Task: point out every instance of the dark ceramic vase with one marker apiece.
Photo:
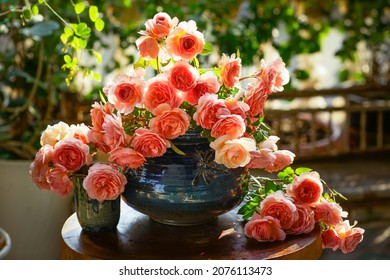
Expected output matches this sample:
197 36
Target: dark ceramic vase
185 189
94 215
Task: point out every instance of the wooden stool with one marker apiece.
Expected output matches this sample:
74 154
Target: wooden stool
138 237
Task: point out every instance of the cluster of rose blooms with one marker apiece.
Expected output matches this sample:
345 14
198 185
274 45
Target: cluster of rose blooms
142 116
298 209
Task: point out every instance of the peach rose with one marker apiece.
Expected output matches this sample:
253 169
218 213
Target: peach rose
269 143
237 107
261 159
330 239
115 135
97 138
206 83
104 182
169 123
149 143
98 113
329 213
305 222
59 180
185 42
127 157
264 229
231 125
256 99
127 92
306 188
183 76
233 153
72 154
350 236
148 47
280 207
209 110
161 91
160 25
54 133
39 168
230 70
283 158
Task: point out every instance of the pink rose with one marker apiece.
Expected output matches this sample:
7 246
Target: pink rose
350 237
72 154
305 222
255 97
160 25
148 47
104 182
270 143
209 110
236 107
306 188
183 76
127 92
233 153
280 207
127 157
272 77
115 135
96 137
39 168
185 41
161 91
264 229
283 158
149 143
231 125
330 239
169 123
206 83
329 213
260 159
80 132
59 180
230 70
98 113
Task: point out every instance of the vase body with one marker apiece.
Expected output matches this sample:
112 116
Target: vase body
94 215
185 189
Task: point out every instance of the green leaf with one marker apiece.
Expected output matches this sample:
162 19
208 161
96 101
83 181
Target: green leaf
207 49
102 98
41 1
79 8
301 170
141 63
67 58
343 75
35 10
177 150
93 13
98 56
153 63
270 186
99 24
68 31
97 77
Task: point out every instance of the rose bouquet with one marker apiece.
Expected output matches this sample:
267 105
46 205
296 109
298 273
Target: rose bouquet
139 116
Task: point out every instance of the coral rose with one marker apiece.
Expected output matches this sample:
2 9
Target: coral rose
283 158
206 83
209 110
272 77
160 25
161 91
80 132
306 188
330 239
264 229
255 97
104 182
261 159
59 180
96 137
72 154
305 222
231 125
185 42
115 135
237 107
98 113
233 153
350 237
39 168
230 70
149 143
280 207
127 157
183 76
148 47
169 123
329 213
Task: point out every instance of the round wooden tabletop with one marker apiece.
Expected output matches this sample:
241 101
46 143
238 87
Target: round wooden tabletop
138 237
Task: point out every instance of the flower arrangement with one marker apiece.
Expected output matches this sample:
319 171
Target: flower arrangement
138 117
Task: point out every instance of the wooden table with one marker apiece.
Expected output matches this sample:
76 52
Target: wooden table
139 237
